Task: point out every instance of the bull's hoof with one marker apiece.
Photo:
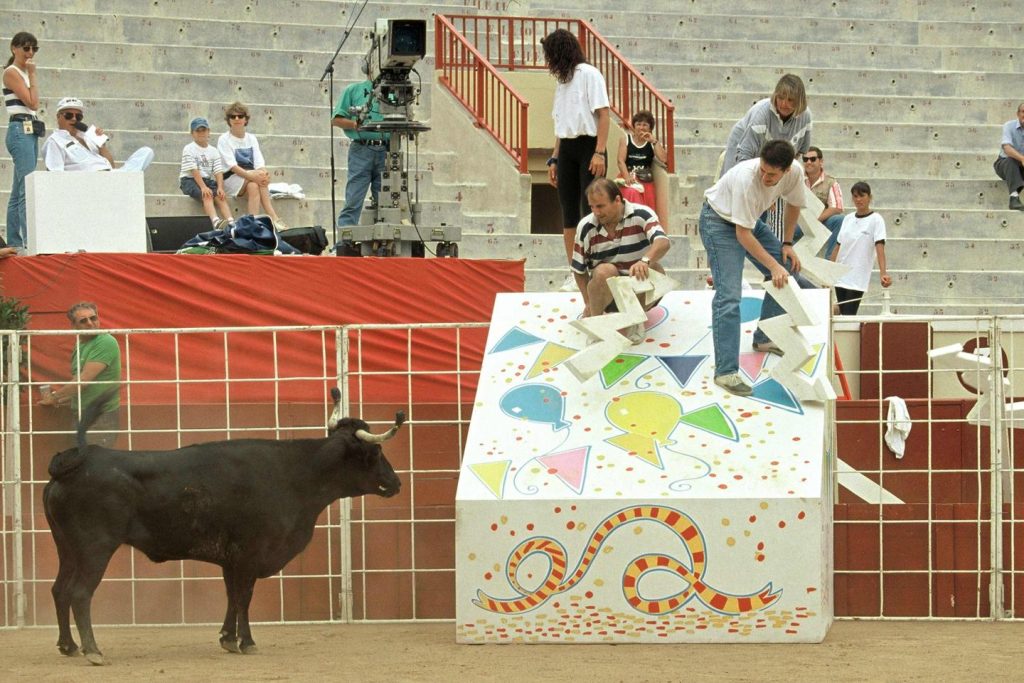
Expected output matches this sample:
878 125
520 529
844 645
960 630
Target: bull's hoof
249 648
68 650
230 644
95 658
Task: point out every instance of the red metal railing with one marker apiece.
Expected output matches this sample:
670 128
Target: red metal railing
514 43
474 82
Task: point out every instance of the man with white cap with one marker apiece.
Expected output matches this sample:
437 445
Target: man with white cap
75 146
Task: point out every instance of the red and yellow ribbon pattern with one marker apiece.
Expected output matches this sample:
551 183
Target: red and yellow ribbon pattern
559 580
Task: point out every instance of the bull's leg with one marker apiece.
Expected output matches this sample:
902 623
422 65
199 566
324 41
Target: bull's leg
83 584
243 587
62 601
229 631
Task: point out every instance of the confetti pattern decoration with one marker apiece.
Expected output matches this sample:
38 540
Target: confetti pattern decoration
558 580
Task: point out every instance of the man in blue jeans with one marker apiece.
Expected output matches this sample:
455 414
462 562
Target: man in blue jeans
731 230
367 152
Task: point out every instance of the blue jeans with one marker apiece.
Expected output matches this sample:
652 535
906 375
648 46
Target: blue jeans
24 150
725 256
833 223
365 166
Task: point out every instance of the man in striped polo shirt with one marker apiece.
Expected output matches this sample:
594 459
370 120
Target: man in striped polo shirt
616 238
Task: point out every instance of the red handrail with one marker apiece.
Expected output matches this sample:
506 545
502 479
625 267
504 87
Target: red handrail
514 43
493 102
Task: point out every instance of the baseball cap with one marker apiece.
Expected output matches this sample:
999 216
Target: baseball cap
70 103
198 122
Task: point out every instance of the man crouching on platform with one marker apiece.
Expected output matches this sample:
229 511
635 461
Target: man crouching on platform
616 238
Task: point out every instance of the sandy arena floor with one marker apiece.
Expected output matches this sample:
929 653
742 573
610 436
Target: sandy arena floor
854 651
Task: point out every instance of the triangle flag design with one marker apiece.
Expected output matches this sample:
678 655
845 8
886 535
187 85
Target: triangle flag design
551 355
492 475
621 365
712 419
643 447
752 363
569 466
774 394
682 367
515 338
811 365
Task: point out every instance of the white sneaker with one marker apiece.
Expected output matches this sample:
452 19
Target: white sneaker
768 347
569 284
734 384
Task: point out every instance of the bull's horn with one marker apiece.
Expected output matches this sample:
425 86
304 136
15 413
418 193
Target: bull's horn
381 438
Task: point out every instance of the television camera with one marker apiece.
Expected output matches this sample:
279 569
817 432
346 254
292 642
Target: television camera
393 226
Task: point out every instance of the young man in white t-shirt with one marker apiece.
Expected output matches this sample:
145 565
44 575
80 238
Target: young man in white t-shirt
860 239
732 231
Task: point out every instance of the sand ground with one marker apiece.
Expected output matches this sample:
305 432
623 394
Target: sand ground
853 651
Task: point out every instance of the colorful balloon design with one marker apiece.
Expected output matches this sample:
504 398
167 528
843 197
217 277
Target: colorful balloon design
536 403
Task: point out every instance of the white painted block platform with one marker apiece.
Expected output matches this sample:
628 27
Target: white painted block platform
95 211
646 504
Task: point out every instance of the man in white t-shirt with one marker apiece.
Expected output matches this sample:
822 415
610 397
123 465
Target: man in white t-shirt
861 238
732 231
75 146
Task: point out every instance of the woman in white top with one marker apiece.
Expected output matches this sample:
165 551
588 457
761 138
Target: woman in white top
21 98
247 173
581 129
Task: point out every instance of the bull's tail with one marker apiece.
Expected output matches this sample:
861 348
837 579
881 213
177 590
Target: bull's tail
69 460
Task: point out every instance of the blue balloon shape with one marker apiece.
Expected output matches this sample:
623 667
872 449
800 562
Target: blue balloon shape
536 403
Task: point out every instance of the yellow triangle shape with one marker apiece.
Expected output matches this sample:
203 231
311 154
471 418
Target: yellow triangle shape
492 475
643 446
808 367
551 355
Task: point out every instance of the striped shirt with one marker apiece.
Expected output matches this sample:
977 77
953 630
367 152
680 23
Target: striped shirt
206 159
629 241
11 101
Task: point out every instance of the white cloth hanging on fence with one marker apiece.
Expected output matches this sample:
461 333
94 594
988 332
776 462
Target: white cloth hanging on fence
897 425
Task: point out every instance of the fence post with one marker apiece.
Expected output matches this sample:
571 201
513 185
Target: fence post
997 441
341 344
12 452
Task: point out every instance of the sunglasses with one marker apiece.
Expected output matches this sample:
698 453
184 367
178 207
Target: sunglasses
806 159
68 116
237 116
87 319
30 48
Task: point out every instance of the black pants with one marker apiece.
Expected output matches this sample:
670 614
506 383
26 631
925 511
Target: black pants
574 157
1009 170
849 300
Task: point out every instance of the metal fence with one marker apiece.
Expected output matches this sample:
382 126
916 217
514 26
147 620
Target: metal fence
932 534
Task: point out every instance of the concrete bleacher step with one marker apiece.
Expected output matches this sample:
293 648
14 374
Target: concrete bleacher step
833 104
547 251
922 10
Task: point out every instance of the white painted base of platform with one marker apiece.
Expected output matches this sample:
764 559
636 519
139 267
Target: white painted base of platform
97 211
644 504
759 580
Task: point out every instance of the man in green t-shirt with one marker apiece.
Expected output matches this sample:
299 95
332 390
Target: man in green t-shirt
367 152
96 365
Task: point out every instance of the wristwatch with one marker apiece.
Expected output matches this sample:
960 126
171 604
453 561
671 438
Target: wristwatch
646 260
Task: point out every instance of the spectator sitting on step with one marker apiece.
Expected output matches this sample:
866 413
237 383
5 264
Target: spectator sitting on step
861 238
637 151
202 174
75 146
246 172
827 189
1010 164
618 237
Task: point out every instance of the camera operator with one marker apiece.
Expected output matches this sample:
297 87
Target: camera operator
367 151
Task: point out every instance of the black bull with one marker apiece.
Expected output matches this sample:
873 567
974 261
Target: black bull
248 506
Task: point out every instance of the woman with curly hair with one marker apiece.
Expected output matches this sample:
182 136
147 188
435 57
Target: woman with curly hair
581 119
